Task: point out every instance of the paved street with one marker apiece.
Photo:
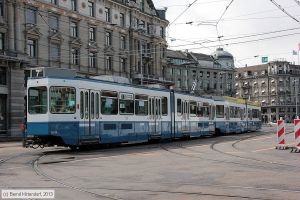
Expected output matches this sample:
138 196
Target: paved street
231 167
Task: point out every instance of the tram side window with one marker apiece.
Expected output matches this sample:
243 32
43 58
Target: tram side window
109 103
179 106
97 105
220 111
158 107
231 111
141 104
37 100
164 104
236 112
92 105
212 112
193 108
199 113
126 104
241 113
81 105
205 110
250 114
255 113
62 100
227 117
86 105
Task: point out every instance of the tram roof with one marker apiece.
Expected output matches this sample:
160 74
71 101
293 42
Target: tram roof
54 73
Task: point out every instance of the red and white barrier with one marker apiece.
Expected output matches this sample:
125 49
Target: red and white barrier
280 134
297 134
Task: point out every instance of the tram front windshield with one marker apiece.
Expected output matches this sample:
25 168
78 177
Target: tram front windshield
37 100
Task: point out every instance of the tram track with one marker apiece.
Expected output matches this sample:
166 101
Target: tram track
35 166
166 147
213 148
3 161
203 158
233 145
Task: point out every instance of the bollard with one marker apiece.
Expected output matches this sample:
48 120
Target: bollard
281 135
296 148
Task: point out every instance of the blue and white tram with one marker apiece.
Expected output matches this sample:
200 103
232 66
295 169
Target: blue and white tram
76 111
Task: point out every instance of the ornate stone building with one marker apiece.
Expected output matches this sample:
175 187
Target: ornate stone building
274 85
95 37
213 74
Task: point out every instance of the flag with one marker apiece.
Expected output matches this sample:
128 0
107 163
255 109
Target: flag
295 52
264 59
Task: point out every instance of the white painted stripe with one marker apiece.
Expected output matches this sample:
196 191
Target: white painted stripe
261 138
279 127
259 150
298 141
87 125
297 127
281 138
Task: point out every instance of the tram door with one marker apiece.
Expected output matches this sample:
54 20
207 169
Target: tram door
212 118
155 117
89 113
185 117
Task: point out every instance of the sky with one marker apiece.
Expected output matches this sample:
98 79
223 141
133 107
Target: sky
248 29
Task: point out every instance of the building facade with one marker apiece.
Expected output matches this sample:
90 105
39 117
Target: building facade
211 75
275 85
94 37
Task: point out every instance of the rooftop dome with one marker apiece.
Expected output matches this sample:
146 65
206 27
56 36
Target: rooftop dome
220 53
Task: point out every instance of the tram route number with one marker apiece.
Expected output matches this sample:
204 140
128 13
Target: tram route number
27 194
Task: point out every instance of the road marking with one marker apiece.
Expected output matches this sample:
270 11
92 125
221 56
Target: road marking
270 148
198 146
13 168
263 149
234 152
192 153
260 138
